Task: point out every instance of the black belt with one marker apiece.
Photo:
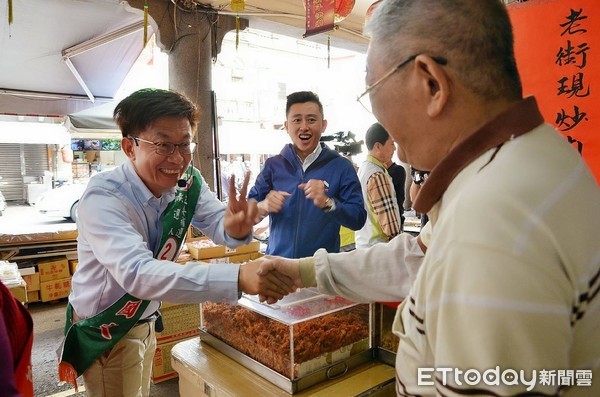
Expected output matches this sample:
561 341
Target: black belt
148 319
155 317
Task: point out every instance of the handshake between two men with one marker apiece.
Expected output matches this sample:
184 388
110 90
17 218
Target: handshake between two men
271 278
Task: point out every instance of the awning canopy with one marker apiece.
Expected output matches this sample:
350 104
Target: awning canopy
24 132
93 123
61 56
56 54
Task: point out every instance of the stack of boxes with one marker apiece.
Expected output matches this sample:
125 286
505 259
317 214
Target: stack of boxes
55 279
32 279
220 254
51 281
182 321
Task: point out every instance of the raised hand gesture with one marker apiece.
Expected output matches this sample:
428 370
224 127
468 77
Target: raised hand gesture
240 213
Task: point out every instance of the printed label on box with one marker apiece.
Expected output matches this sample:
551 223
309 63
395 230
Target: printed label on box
55 289
54 270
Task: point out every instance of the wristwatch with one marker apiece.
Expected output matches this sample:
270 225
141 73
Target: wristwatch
328 204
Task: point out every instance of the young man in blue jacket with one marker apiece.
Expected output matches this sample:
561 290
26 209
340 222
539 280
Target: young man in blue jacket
308 190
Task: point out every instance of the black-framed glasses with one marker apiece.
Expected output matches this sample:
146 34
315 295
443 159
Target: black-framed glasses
362 98
167 148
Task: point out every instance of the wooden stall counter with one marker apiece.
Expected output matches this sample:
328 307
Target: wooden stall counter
205 372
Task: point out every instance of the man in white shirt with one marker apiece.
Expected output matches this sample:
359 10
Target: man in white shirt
132 222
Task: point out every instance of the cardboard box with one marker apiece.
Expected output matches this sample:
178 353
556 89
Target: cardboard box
73 265
55 289
199 248
32 281
180 321
33 296
54 269
236 258
19 292
162 369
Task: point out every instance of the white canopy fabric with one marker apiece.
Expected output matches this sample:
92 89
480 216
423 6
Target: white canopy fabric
93 123
24 132
32 61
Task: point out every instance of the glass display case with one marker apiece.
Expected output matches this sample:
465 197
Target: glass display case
304 339
385 340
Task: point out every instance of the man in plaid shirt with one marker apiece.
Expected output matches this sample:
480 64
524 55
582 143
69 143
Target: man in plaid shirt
383 214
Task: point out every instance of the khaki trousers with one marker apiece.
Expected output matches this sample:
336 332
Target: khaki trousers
124 371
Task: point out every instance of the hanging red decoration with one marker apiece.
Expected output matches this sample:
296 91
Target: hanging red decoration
343 8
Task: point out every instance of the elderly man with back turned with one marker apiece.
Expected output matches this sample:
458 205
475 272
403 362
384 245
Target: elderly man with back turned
508 287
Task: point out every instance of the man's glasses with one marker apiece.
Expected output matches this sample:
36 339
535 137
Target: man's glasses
167 148
365 101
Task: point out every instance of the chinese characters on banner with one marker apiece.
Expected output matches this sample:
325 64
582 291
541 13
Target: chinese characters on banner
319 16
557 43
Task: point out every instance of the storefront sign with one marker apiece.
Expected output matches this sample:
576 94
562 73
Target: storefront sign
557 44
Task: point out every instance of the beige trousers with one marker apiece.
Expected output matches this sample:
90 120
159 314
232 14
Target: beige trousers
124 371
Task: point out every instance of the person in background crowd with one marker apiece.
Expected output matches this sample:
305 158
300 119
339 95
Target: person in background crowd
16 342
508 287
308 190
132 223
383 215
398 174
418 178
225 178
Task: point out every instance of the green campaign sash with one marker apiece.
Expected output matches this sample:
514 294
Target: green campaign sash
87 339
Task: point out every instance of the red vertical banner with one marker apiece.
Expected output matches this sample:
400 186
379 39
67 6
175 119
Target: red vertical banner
319 16
557 47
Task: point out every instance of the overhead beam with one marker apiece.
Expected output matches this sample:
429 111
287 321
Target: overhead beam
103 39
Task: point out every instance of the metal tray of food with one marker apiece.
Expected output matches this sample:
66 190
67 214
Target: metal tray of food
333 371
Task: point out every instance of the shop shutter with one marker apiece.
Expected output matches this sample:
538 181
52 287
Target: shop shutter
17 160
36 159
11 183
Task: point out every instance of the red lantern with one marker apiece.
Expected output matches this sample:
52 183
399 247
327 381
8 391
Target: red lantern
343 8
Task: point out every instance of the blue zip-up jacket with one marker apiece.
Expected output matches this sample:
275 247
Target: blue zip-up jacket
301 228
